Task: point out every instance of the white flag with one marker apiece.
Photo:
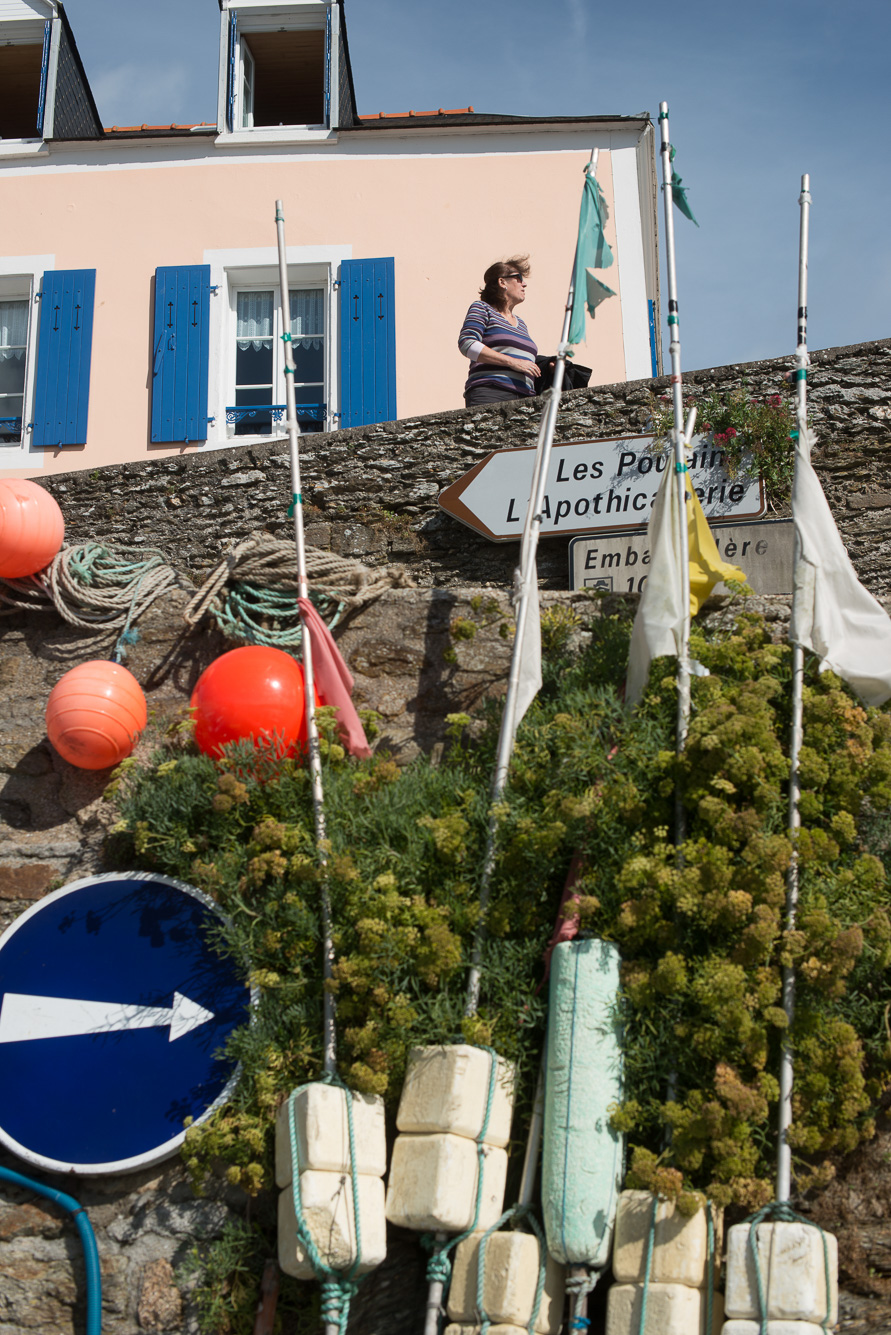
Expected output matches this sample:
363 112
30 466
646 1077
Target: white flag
832 613
659 623
529 650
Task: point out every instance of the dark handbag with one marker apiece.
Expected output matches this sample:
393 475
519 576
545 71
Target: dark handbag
574 376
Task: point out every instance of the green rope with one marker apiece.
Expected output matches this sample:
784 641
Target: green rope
648 1265
710 1244
779 1212
268 615
338 1288
439 1266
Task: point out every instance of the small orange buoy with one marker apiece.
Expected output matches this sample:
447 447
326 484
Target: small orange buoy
31 528
251 693
95 714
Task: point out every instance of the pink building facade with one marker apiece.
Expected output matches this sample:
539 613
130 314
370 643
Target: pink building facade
139 288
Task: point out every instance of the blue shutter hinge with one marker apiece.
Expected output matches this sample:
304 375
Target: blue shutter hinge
37 296
214 288
336 284
210 421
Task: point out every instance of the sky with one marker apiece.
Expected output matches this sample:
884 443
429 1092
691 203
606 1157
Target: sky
759 92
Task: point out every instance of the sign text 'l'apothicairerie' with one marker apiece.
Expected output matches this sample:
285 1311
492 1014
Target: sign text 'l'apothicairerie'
593 486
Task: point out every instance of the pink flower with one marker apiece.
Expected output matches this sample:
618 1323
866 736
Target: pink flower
776 400
706 426
730 433
719 438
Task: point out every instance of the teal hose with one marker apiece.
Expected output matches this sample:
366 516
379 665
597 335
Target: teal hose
87 1237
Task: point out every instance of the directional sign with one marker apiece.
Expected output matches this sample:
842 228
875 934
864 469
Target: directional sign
593 486
620 562
114 1008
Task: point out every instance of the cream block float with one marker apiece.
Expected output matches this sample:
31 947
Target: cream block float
680 1270
793 1277
511 1265
680 1243
434 1171
321 1127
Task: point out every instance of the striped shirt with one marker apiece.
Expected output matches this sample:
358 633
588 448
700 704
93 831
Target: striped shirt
484 327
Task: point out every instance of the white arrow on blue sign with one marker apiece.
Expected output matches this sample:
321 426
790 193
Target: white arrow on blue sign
114 1008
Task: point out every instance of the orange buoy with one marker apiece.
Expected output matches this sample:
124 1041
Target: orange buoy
95 714
255 693
31 528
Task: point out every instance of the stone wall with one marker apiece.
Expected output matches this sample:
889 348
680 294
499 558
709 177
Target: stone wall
372 491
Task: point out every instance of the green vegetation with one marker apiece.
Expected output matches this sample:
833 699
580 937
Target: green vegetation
700 928
750 432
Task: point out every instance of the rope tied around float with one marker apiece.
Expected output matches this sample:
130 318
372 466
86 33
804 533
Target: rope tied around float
339 1287
439 1265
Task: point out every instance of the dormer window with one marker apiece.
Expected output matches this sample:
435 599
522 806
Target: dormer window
44 93
23 58
280 67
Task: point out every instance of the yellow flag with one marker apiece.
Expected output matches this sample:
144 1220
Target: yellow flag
706 567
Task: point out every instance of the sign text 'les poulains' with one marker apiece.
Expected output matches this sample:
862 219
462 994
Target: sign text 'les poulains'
594 486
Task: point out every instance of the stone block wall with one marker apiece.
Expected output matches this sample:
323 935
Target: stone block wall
372 491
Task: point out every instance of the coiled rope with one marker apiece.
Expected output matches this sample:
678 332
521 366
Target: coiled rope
254 586
338 1287
250 595
100 590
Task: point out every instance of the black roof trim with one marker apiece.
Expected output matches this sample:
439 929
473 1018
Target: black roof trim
349 67
386 122
80 68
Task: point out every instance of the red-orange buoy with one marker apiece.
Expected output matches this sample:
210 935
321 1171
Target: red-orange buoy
95 714
250 693
31 528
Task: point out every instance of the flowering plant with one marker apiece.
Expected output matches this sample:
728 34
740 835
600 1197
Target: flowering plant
749 431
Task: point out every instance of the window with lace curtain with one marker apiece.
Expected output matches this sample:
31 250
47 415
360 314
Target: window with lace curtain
13 349
259 361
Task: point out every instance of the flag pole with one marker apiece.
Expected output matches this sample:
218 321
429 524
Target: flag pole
680 461
315 760
784 1153
523 575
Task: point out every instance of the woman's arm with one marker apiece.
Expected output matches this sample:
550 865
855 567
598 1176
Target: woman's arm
513 363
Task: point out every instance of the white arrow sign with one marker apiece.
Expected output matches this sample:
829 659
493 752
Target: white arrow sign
23 1017
593 486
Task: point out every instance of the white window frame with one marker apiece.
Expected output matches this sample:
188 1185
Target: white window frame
249 270
253 17
20 277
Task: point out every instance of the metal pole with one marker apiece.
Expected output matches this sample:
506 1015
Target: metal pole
524 573
680 462
533 1141
784 1153
312 732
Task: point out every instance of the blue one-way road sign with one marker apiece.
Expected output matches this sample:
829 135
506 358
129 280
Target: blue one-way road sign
113 1010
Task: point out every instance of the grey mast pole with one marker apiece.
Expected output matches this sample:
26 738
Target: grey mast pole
312 732
522 576
784 1153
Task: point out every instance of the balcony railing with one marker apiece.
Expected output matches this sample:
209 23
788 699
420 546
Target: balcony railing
264 414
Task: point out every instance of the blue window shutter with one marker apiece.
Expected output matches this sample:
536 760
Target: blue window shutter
44 72
367 342
230 81
651 315
180 352
64 348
